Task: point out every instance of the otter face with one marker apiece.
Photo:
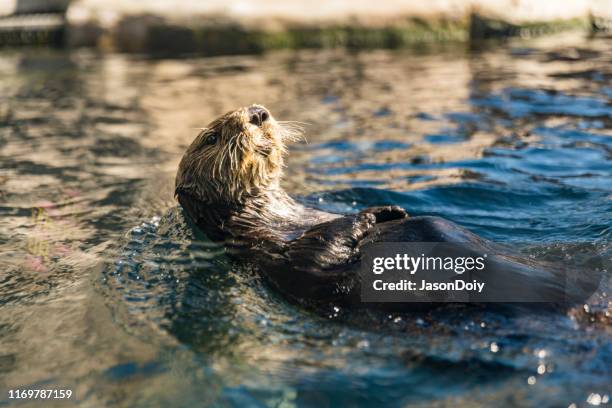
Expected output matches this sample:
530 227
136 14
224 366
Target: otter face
238 155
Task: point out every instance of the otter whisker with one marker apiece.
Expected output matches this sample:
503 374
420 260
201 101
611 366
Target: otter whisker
233 157
218 164
230 151
229 154
293 122
233 151
292 131
292 125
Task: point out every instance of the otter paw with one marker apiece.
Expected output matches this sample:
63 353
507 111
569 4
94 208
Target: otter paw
386 213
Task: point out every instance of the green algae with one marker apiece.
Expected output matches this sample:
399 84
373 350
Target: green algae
233 39
164 39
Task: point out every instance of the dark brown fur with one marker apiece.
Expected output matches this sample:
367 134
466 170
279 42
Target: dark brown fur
231 190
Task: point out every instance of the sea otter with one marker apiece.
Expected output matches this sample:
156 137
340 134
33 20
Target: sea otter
228 183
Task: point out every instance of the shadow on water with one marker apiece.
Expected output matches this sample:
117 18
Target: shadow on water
107 289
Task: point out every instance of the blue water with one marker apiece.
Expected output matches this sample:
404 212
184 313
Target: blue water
106 290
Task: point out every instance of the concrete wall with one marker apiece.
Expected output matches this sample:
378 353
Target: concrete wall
109 12
8 7
243 26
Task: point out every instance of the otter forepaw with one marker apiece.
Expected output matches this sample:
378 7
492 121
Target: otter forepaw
386 213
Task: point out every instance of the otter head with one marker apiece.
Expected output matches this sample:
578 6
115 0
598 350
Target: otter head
239 155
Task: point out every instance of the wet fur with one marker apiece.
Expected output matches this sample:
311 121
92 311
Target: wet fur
231 190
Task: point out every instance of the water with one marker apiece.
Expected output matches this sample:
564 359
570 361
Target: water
105 290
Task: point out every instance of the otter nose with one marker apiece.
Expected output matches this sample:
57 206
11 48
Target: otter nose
258 115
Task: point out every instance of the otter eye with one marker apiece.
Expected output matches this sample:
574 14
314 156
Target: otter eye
211 139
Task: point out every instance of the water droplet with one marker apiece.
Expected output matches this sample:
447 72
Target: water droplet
594 399
494 347
531 380
541 369
363 344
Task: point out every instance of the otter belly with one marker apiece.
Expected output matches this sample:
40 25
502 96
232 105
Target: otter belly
340 282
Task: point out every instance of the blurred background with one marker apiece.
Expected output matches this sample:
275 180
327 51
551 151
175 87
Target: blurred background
495 114
243 26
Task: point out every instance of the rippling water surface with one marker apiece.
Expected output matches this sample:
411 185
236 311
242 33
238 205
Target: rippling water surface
106 290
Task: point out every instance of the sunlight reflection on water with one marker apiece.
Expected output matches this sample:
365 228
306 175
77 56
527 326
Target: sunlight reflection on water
103 296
